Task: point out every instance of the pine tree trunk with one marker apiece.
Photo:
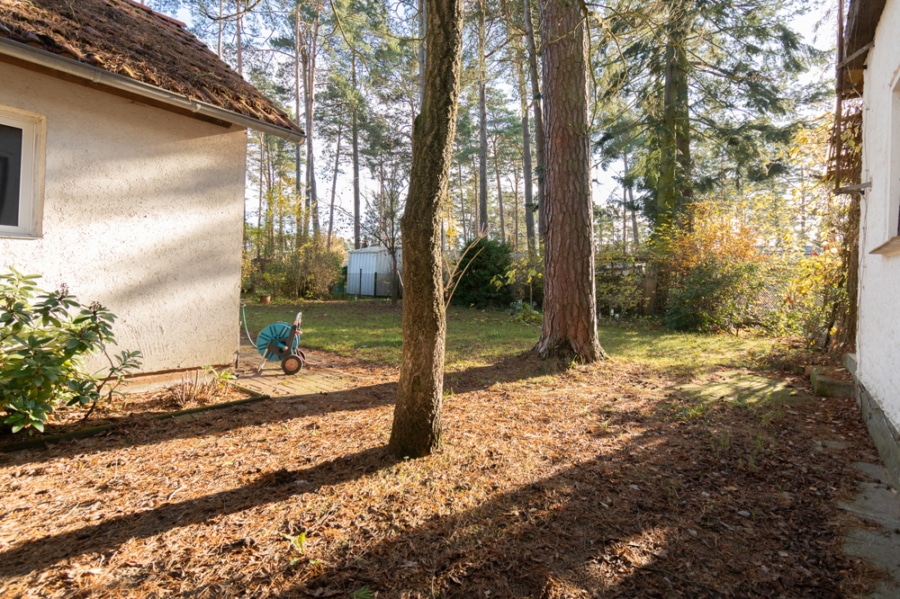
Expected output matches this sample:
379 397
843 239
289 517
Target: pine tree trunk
675 189
482 127
515 211
538 119
526 165
337 163
310 173
634 225
462 202
570 318
221 23
237 39
259 213
421 50
416 429
499 192
312 200
354 137
298 93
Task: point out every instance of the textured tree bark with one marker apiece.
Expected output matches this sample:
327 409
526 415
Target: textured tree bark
416 429
570 318
675 189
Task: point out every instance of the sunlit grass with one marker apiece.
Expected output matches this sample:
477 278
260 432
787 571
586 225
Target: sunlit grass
370 330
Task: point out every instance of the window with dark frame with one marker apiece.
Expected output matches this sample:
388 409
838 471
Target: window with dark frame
10 174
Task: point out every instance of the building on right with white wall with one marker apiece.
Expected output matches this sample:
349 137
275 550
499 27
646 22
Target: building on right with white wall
869 68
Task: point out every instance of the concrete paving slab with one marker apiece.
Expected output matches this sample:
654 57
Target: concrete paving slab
877 503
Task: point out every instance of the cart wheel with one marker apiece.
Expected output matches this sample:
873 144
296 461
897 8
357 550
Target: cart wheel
292 364
277 332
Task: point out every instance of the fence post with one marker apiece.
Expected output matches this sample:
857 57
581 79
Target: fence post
375 284
359 287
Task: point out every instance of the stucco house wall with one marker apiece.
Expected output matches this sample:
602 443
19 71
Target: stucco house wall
142 210
878 337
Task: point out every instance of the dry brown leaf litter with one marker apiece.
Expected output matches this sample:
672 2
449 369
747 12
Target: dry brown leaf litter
596 482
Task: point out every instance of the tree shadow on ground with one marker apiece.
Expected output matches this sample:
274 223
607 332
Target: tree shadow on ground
671 503
130 432
270 487
685 509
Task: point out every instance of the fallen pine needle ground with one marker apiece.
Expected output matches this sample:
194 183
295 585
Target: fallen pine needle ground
597 481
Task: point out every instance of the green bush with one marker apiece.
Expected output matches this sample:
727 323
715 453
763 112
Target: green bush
482 273
43 340
308 272
620 284
525 278
715 294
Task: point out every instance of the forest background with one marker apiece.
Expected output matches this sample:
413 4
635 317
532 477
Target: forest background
710 126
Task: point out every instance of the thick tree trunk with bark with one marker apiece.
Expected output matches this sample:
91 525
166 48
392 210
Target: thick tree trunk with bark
675 188
570 318
416 429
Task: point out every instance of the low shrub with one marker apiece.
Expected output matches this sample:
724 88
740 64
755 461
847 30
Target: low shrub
482 275
43 340
715 294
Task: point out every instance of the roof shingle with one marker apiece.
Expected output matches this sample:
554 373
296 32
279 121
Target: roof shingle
128 39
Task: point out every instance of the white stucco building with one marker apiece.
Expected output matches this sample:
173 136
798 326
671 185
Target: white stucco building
122 168
871 68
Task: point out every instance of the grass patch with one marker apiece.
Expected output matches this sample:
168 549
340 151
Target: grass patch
370 330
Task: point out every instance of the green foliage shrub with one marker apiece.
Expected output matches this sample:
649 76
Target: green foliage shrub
525 278
525 313
715 294
43 340
482 275
308 272
815 299
620 283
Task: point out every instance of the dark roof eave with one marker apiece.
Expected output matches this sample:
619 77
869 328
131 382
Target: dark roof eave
862 21
178 102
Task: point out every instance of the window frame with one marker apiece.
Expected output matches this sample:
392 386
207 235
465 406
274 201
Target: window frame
31 182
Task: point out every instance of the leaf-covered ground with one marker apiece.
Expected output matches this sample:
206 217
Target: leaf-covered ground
613 480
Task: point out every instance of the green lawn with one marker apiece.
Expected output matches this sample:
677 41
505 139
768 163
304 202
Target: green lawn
370 330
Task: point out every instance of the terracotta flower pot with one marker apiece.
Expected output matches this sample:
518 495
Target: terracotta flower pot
265 299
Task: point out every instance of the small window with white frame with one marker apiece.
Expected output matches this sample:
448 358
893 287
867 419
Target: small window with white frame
21 172
888 209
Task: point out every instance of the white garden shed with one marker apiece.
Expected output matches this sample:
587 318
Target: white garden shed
369 271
